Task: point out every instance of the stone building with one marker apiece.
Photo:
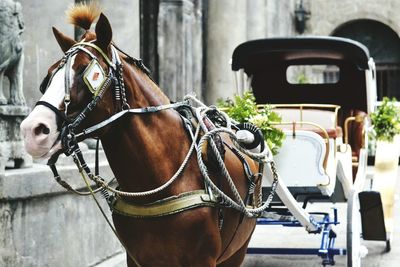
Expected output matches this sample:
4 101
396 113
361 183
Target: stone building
226 23
187 44
376 24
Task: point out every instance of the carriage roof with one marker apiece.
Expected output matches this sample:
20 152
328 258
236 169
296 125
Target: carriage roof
267 60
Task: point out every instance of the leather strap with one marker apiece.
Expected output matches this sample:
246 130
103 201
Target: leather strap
150 109
163 207
54 109
105 56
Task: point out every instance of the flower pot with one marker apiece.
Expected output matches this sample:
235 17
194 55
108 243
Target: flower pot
385 176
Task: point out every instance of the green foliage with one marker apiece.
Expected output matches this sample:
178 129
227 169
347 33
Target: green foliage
386 120
241 108
244 109
302 79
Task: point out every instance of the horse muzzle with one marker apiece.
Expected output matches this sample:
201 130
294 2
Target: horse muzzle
39 140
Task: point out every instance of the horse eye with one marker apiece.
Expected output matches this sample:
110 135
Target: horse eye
44 84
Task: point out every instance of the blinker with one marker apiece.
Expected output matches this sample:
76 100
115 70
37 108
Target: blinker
93 76
44 84
47 80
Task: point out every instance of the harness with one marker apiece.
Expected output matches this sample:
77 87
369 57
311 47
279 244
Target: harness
69 136
211 196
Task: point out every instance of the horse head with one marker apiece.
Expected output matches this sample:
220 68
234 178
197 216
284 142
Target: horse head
72 83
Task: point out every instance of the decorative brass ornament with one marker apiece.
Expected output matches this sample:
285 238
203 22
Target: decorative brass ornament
94 76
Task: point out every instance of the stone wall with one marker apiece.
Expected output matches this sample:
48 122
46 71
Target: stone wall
42 50
196 38
231 22
180 44
182 40
327 16
43 225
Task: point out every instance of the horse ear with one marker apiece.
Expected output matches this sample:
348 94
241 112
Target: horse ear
64 41
103 32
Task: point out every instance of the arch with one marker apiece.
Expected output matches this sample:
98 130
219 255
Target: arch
382 41
346 18
384 46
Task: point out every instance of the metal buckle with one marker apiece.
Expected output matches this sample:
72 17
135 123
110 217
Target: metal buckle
68 140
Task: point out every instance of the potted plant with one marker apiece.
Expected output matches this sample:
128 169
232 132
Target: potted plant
386 130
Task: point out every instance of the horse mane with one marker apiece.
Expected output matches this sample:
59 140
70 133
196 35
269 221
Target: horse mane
83 14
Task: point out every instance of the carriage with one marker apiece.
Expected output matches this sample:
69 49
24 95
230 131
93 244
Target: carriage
323 88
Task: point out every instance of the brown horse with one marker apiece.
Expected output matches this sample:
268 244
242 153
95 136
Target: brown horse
143 150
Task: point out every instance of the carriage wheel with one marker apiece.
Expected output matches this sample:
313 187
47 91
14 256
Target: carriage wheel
354 249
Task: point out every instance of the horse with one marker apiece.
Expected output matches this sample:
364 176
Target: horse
144 150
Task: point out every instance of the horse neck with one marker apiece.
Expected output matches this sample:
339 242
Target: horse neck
145 150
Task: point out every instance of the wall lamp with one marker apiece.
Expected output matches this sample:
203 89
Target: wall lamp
301 15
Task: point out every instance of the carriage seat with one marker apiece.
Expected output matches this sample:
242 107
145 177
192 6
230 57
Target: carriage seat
307 159
333 133
323 119
304 164
354 134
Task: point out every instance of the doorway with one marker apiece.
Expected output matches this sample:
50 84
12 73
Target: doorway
383 44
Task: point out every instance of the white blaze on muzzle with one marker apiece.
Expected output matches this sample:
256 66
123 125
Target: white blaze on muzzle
40 129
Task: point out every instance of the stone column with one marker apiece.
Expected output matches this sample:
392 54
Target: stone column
124 17
256 19
226 28
279 18
180 47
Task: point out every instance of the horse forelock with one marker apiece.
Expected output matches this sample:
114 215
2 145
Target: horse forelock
89 36
83 15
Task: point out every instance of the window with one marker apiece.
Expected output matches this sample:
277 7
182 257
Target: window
312 74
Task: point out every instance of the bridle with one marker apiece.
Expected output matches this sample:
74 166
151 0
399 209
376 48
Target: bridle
68 126
69 136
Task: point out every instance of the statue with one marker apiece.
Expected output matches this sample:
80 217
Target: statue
11 51
13 108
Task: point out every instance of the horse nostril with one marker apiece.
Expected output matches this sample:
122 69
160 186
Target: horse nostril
41 129
46 130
